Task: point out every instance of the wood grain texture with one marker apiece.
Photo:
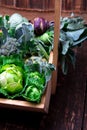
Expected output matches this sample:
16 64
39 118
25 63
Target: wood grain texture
56 41
66 107
85 73
85 112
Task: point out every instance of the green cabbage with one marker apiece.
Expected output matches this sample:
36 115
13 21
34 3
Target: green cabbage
33 94
36 79
11 79
34 88
16 19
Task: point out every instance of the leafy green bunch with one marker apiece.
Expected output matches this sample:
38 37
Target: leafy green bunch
24 67
73 32
24 79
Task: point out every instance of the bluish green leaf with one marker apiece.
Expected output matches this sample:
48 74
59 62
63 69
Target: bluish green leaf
75 35
76 43
65 47
64 65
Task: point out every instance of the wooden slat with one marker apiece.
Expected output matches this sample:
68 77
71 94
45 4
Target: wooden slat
21 4
36 4
29 13
85 114
84 126
56 40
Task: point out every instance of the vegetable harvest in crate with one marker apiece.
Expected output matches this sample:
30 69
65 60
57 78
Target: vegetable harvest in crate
25 48
24 57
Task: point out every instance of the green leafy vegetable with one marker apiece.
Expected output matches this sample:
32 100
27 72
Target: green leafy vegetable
35 86
11 78
33 94
36 79
25 32
24 67
15 19
36 63
25 49
73 32
10 47
75 35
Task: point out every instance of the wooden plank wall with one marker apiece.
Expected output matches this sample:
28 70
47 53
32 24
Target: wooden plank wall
79 7
39 4
67 5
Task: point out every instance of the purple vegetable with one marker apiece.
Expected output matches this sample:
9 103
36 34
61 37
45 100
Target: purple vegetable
40 25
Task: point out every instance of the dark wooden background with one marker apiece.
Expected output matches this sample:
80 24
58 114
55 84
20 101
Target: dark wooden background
68 107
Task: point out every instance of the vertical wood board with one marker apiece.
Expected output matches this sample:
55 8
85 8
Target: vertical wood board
56 41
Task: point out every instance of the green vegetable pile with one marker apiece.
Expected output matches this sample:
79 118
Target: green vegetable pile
25 48
73 32
24 67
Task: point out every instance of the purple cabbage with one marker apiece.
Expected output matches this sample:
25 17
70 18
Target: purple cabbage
40 25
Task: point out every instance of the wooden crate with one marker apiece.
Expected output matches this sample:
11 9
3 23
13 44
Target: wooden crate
51 87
